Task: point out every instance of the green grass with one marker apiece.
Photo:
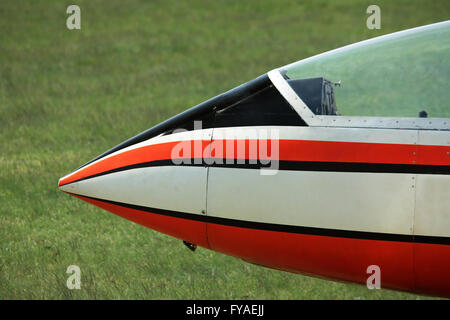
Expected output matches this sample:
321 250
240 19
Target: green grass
66 96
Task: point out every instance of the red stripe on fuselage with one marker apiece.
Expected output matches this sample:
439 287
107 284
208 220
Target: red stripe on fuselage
414 267
289 150
434 155
432 269
330 257
161 151
320 151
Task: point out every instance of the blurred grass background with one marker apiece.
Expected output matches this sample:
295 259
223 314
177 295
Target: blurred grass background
67 96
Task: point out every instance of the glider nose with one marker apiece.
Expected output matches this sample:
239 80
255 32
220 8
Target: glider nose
66 187
142 184
69 183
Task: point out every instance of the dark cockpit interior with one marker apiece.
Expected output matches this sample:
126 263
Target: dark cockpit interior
317 94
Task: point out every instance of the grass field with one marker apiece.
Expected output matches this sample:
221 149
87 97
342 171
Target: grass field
67 96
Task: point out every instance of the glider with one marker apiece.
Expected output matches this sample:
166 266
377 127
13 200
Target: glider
324 167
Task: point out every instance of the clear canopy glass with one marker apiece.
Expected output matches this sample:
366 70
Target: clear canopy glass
397 75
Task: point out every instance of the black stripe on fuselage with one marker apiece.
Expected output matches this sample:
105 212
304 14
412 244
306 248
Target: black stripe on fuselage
284 228
358 167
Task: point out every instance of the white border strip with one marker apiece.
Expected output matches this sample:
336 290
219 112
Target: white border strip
289 94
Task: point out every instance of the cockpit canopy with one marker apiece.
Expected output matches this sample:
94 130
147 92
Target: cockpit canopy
400 75
405 74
